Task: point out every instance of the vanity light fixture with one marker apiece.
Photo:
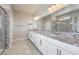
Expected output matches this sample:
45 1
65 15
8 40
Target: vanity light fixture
36 18
59 5
51 8
55 7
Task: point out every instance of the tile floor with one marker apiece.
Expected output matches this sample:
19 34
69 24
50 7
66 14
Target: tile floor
22 47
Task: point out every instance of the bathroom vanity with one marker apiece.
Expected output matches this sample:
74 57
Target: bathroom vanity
59 33
51 45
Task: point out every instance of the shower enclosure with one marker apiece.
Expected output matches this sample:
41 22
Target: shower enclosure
3 30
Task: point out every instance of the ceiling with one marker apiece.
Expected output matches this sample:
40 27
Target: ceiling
30 9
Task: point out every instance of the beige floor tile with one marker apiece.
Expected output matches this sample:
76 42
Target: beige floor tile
22 47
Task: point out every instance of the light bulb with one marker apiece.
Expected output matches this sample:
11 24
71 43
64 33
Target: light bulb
53 6
60 5
50 10
36 18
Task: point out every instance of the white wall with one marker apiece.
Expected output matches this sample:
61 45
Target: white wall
20 25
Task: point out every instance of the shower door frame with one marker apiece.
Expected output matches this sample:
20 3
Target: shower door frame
4 29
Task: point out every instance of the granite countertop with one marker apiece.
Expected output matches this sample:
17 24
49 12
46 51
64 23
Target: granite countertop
63 37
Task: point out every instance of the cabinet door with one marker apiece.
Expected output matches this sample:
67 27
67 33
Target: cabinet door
37 40
64 52
52 49
43 44
31 36
33 39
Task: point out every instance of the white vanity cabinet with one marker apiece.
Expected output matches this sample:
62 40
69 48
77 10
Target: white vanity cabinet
43 44
31 37
49 46
36 40
55 50
52 50
29 34
39 41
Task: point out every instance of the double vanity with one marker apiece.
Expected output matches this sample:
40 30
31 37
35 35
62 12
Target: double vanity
56 43
58 32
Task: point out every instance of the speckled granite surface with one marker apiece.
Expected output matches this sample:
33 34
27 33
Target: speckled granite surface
63 36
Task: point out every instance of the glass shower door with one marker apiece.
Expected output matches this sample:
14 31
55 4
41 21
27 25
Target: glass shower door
2 30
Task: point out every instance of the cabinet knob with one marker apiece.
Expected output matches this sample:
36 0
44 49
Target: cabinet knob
60 52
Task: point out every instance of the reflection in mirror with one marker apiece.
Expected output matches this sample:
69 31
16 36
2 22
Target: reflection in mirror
64 24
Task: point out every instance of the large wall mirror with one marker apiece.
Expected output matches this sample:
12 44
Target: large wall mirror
65 24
